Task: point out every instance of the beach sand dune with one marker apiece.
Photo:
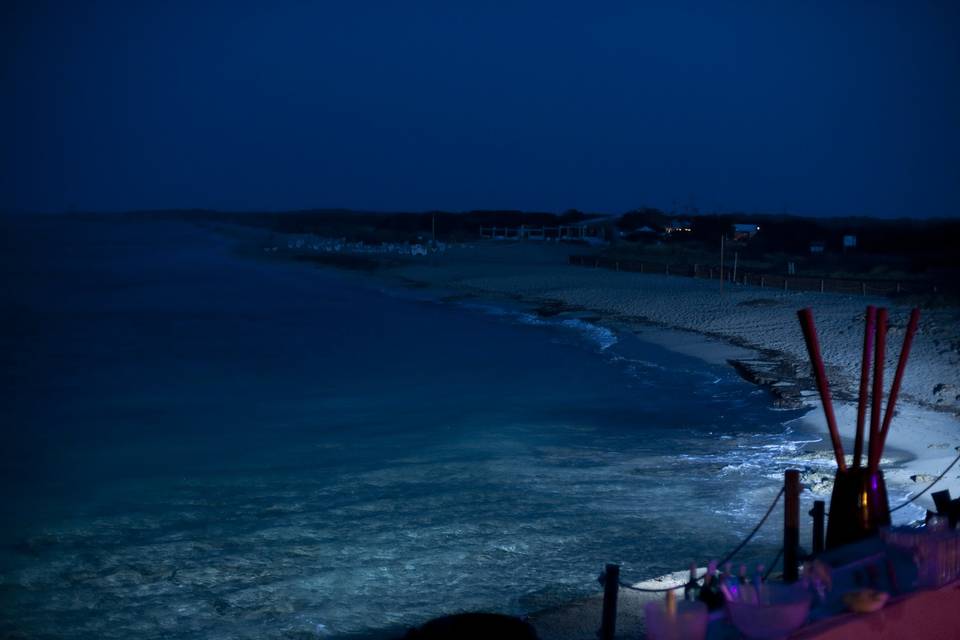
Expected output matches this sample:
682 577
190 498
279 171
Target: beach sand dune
748 316
755 327
756 330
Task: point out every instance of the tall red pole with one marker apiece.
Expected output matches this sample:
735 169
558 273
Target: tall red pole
820 374
864 384
873 459
897 378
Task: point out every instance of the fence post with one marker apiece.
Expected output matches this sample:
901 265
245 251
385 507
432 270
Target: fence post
791 523
821 285
611 583
762 278
818 514
721 264
863 288
784 283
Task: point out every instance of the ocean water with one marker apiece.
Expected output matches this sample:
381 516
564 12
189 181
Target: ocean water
202 445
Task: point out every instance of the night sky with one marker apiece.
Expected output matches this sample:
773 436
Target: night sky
819 108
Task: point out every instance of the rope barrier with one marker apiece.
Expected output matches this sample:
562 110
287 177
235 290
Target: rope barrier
725 559
755 529
790 553
929 486
773 563
627 585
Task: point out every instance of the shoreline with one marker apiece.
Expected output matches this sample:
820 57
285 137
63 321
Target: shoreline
924 437
925 434
753 330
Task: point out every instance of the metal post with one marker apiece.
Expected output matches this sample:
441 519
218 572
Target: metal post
611 583
819 514
721 264
941 499
791 524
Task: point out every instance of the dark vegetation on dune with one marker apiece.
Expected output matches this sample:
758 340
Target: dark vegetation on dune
902 244
901 250
921 255
378 227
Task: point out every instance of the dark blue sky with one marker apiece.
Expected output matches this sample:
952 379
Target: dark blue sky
823 108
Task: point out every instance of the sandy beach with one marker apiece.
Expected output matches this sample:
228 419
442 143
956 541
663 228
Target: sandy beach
753 329
756 328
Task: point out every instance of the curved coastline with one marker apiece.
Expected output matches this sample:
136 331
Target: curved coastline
753 330
921 442
690 317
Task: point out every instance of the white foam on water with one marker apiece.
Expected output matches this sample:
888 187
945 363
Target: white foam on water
487 514
601 336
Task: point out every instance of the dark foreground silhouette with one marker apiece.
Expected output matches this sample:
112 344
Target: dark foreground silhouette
470 626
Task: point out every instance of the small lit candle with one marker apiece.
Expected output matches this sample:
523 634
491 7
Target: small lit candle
671 604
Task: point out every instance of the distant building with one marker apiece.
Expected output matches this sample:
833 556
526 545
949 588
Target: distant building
743 232
679 226
817 247
849 242
646 232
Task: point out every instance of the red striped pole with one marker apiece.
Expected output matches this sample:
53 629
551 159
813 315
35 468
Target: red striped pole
873 459
897 378
864 384
820 374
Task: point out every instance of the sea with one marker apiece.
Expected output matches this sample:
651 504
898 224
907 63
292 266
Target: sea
201 444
